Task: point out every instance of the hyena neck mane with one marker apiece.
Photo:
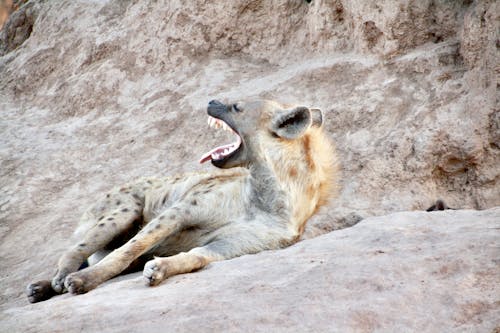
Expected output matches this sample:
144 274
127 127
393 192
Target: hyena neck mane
295 182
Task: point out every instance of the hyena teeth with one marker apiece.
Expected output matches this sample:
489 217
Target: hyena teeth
212 122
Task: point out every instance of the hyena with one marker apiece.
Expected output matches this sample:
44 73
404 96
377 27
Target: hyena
278 172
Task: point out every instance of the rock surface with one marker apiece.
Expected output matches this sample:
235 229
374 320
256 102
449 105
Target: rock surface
95 93
404 272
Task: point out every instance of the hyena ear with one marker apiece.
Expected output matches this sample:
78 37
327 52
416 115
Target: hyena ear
291 124
317 117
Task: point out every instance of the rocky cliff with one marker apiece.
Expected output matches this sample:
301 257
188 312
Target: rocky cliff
95 93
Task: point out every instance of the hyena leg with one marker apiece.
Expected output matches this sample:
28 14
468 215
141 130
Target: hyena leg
118 260
158 269
96 238
231 246
104 228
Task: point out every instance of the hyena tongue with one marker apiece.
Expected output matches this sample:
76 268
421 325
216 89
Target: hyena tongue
205 158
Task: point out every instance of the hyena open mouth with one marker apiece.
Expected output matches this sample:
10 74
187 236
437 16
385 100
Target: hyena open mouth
222 154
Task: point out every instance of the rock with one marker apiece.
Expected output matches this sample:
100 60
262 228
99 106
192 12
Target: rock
96 93
404 272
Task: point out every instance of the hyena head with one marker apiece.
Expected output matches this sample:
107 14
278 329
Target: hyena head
264 130
288 140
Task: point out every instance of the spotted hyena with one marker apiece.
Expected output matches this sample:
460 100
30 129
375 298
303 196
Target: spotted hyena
278 172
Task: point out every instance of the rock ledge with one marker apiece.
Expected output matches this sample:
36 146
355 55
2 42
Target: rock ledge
410 271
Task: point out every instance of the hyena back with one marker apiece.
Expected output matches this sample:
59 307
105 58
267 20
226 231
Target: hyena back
277 173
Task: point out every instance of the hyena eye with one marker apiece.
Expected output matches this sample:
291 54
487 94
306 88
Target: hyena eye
274 135
235 108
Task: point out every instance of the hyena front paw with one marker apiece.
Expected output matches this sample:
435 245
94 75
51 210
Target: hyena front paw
58 282
153 272
77 283
40 291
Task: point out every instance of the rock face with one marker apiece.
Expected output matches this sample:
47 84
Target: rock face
95 93
405 272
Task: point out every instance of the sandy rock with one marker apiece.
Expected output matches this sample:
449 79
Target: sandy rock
96 93
405 272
